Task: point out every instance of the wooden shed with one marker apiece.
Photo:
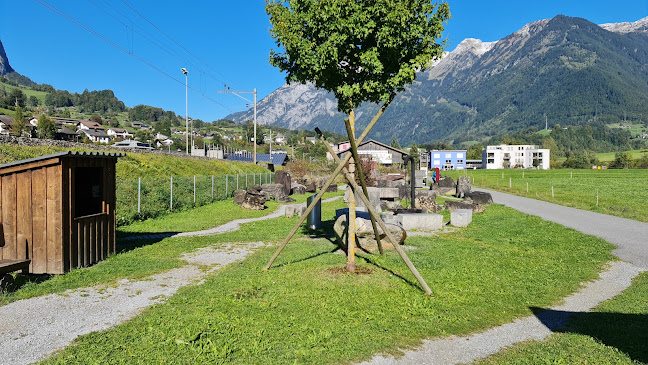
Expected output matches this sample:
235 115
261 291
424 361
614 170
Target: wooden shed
58 210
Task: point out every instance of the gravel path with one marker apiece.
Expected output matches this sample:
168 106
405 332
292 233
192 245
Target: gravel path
632 246
33 329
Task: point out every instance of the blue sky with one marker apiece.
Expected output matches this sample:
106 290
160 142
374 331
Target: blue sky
218 42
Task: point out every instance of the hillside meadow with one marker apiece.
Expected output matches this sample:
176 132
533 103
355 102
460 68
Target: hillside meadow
622 193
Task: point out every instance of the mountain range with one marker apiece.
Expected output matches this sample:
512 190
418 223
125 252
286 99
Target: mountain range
564 70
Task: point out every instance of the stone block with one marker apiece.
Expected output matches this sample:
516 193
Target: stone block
452 206
415 221
374 198
463 186
283 178
388 193
292 210
480 197
461 217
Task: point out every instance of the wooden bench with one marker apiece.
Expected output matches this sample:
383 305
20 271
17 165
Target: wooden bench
7 266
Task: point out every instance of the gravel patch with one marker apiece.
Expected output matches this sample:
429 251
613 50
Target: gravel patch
33 329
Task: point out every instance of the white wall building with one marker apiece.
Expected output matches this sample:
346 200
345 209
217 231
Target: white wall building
515 156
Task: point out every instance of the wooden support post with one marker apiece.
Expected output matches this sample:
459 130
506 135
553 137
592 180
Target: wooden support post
328 183
375 217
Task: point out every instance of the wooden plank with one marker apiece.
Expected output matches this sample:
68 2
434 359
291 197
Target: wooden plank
24 216
29 166
39 222
91 240
54 228
110 188
7 266
2 239
86 244
66 241
9 216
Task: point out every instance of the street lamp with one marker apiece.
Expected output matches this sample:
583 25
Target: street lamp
185 72
255 113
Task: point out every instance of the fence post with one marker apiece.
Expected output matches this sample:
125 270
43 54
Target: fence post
523 174
194 189
510 182
237 184
171 207
212 187
571 174
552 191
139 194
597 197
527 186
226 182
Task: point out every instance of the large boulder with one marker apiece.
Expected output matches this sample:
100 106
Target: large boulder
446 185
428 202
311 187
463 186
239 196
480 197
254 200
366 238
454 205
283 178
297 189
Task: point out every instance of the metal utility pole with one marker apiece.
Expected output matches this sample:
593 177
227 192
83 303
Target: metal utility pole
255 113
185 72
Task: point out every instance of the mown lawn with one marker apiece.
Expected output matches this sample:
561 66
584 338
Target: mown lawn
622 193
305 310
615 332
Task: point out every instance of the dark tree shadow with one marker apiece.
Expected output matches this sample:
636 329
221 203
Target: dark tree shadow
129 241
626 332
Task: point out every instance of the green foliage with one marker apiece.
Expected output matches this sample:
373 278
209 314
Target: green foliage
361 51
580 160
475 152
19 122
622 160
103 101
46 128
394 143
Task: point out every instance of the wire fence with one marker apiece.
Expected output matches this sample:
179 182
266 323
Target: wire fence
143 198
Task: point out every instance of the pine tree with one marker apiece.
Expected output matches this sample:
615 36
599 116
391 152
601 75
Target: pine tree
19 122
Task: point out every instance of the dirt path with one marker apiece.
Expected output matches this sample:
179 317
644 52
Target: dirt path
33 329
632 246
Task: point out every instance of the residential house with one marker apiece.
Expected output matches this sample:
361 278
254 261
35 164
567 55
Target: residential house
448 159
120 133
515 156
64 133
97 136
6 123
90 125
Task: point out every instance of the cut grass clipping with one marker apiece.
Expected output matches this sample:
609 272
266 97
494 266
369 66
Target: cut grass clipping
304 310
615 332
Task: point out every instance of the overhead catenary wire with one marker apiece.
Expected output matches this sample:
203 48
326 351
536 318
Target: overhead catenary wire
177 43
114 44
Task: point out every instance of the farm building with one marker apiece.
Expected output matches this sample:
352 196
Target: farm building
58 211
378 152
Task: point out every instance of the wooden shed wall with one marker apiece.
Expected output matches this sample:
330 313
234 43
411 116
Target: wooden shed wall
32 217
38 219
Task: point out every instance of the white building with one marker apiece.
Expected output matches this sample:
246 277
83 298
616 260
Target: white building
515 156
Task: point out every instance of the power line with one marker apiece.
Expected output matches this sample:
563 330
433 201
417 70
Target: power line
174 41
107 40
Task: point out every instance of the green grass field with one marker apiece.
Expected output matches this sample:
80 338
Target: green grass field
621 193
609 156
304 310
40 95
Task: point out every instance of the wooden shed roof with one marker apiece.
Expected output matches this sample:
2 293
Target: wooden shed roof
74 154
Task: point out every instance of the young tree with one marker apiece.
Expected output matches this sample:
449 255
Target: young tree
46 128
359 50
394 143
19 122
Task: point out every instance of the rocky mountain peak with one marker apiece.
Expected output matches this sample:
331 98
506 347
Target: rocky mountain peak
5 68
640 26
